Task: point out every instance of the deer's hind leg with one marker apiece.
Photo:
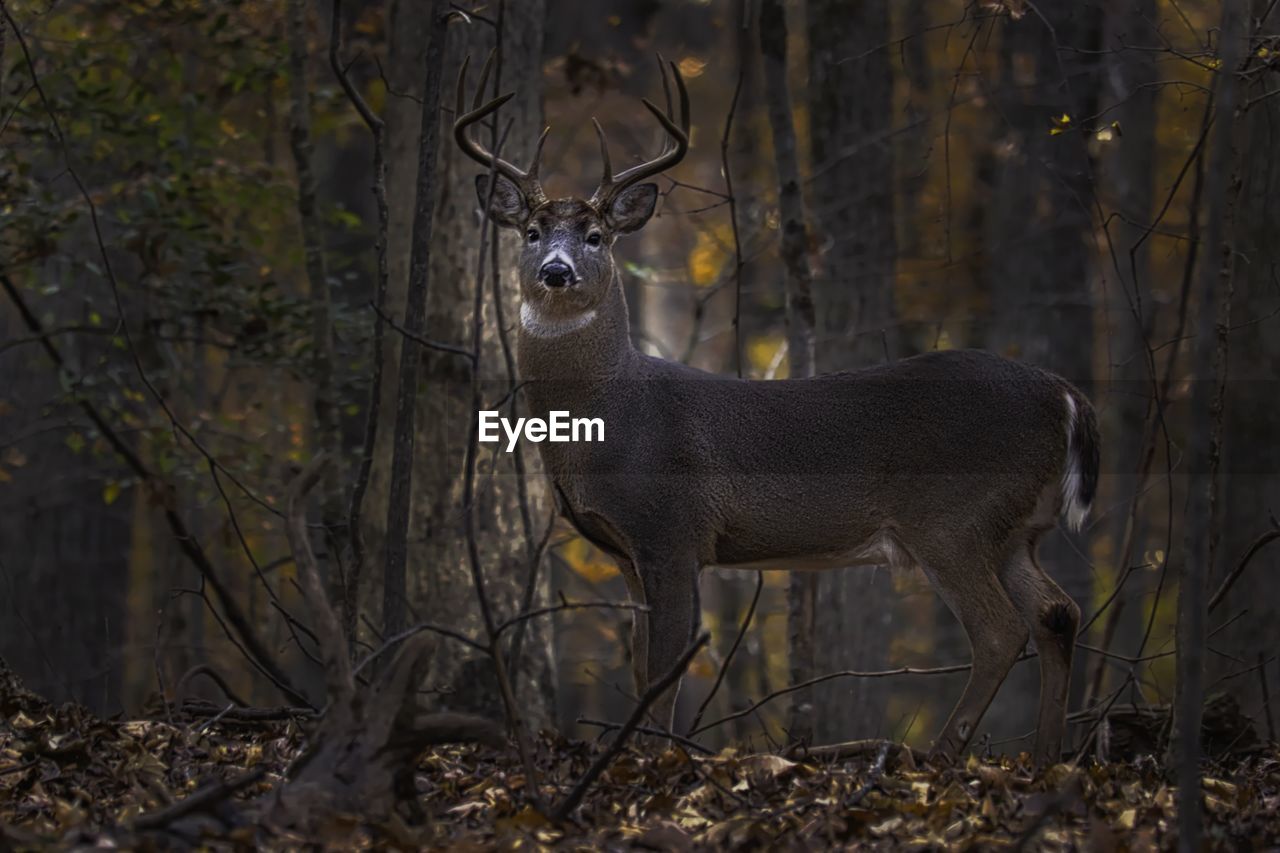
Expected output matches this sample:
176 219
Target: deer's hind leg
996 637
1052 618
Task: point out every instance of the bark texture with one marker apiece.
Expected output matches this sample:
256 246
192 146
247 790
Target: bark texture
438 585
850 119
802 591
1251 461
1039 248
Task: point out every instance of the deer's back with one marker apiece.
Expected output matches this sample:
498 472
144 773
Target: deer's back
754 466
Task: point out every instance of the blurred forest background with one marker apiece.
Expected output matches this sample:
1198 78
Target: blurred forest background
190 258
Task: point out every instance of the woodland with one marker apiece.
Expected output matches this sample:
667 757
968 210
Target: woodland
260 586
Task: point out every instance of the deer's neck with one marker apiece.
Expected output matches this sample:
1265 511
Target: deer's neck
584 351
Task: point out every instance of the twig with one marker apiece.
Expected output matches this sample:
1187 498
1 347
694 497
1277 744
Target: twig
568 605
783 691
535 559
857 749
1230 580
200 800
562 812
724 667
396 639
355 577
650 730
18 768
733 222
247 715
439 346
214 676
1266 698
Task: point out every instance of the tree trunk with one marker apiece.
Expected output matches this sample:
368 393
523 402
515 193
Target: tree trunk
1128 163
1208 367
800 319
850 119
1038 250
511 509
395 585
323 400
1251 493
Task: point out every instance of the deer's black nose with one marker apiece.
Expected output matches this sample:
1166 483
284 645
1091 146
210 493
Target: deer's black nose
556 274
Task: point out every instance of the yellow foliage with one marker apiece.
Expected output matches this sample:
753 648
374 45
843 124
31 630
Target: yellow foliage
761 351
692 66
588 561
710 254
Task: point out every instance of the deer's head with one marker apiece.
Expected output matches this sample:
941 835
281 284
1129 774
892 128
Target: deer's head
566 262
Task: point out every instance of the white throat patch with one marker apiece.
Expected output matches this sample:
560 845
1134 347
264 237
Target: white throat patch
539 326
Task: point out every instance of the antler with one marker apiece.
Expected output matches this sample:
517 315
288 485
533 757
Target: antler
526 180
611 185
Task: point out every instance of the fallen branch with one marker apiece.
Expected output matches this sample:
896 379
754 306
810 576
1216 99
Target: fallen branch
859 749
574 798
201 800
364 751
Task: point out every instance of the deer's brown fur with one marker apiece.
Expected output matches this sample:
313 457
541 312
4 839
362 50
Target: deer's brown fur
955 461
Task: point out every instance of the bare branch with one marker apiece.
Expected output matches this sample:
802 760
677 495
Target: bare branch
602 762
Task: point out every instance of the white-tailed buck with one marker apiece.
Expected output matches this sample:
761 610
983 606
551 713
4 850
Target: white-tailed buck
957 462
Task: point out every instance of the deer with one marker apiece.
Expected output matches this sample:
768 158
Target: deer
955 461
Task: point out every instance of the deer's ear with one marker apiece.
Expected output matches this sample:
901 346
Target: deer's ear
632 208
509 207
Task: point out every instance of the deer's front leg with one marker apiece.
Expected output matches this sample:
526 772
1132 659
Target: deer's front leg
639 627
671 593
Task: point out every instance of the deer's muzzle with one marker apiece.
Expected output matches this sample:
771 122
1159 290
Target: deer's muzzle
556 274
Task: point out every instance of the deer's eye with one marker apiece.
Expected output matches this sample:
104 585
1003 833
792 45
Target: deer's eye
593 239
532 235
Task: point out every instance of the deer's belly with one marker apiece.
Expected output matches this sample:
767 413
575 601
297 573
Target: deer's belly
881 549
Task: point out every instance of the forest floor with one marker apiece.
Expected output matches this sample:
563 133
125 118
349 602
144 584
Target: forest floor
69 779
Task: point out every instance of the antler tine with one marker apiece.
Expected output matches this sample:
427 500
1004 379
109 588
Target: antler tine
460 97
532 172
527 181
684 98
672 154
666 86
607 179
484 78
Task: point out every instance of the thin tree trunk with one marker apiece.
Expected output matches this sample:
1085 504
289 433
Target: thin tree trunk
1129 164
850 119
1251 489
508 497
800 317
1209 366
511 502
1039 252
324 402
396 552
